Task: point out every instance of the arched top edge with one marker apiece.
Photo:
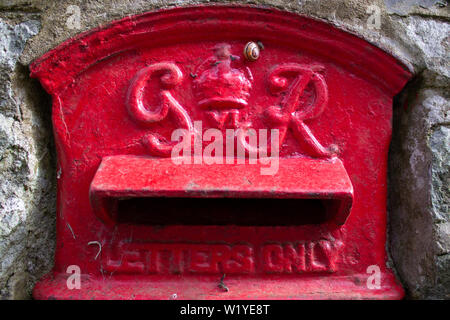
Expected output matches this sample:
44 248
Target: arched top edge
60 66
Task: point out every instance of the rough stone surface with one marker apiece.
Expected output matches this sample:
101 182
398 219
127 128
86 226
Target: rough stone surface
416 32
419 191
27 189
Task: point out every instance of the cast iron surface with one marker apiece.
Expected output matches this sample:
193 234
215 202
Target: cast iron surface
121 90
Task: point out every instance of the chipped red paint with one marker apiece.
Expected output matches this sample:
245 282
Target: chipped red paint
120 91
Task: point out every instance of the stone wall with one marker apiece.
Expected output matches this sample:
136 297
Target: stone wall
416 32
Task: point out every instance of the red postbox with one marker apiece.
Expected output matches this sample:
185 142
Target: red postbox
285 198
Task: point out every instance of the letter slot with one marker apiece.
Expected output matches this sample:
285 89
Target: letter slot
205 142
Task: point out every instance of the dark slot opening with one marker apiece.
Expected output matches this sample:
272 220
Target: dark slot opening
224 211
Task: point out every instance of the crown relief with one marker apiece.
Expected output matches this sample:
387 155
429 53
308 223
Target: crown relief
222 87
220 84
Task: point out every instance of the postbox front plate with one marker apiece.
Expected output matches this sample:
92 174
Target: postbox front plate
141 225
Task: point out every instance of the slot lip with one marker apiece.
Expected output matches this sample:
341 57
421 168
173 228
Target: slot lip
128 176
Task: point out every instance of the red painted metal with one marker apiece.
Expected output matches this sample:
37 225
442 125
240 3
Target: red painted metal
164 228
